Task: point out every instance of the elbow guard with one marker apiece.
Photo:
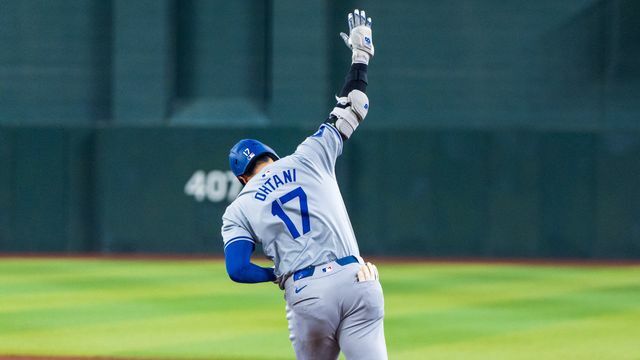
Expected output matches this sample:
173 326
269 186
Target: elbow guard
350 112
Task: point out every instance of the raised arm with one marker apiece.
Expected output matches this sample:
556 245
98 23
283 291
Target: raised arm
353 103
324 147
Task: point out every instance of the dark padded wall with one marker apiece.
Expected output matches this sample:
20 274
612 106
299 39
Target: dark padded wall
143 65
46 189
496 128
624 73
431 192
142 205
559 64
6 195
221 68
55 61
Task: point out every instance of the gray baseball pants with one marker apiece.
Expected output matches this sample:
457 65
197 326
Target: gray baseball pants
331 311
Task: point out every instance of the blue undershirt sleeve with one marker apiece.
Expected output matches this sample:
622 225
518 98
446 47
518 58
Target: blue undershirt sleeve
237 257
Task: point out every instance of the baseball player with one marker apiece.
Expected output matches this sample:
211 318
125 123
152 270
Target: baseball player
292 206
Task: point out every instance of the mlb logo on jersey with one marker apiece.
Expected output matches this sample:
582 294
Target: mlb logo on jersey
248 154
327 269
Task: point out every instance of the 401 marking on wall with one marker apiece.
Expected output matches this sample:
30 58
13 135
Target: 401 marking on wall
215 186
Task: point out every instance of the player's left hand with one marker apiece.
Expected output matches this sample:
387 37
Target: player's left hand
368 272
360 39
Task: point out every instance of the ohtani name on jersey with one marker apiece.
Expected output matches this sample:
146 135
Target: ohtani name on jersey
275 182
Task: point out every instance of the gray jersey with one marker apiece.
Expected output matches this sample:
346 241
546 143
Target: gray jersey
294 208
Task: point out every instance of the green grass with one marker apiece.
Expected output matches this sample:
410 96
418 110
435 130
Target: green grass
190 310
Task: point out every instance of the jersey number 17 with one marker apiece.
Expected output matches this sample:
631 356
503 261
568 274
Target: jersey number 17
276 210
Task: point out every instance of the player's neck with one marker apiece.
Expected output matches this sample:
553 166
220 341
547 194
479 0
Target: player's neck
259 167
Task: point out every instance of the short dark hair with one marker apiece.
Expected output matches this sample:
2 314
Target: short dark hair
258 160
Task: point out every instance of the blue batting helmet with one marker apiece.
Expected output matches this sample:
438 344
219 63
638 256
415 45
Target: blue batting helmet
245 152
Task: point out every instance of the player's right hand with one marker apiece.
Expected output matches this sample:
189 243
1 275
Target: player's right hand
368 272
360 39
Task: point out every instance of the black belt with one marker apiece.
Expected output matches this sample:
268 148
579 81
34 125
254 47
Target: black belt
309 270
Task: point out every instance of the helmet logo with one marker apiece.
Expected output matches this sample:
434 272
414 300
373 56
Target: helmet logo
248 154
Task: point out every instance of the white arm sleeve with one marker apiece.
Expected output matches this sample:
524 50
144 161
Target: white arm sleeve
232 229
322 148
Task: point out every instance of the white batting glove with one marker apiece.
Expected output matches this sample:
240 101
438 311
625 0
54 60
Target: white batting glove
368 272
359 39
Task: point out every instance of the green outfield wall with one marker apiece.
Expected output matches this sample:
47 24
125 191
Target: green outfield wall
432 192
496 128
